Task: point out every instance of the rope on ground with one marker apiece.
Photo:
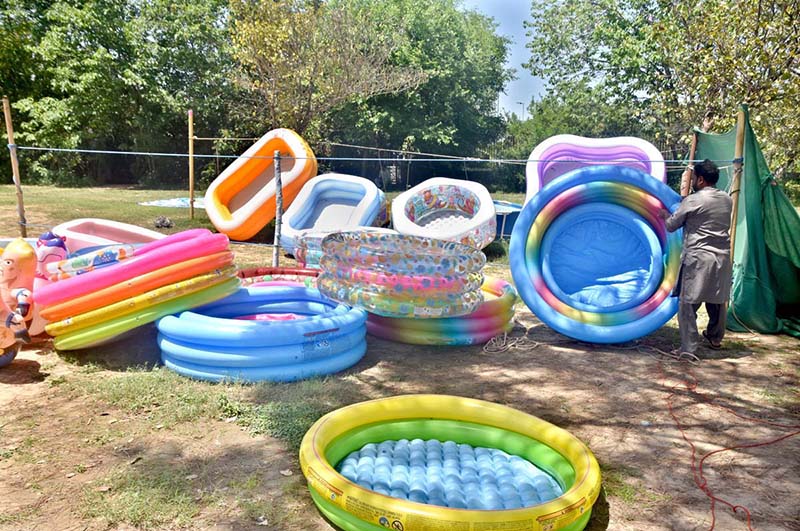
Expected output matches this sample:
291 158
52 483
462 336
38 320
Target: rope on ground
690 385
504 343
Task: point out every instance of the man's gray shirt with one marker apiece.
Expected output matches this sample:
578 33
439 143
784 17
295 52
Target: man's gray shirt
706 259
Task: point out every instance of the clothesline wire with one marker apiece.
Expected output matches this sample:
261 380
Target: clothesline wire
448 158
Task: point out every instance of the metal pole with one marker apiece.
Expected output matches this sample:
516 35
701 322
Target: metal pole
191 164
12 148
276 249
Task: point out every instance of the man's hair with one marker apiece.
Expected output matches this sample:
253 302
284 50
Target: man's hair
708 171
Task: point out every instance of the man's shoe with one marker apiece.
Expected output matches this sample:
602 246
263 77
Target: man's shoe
711 344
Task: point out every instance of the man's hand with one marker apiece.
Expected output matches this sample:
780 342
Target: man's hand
664 213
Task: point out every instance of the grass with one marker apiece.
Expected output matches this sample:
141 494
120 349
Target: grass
161 396
287 411
146 501
620 482
47 206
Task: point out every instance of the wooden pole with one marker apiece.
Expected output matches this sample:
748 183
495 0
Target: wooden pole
12 148
191 164
738 170
276 249
688 173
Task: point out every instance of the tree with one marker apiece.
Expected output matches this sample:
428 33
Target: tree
577 109
455 111
674 61
120 76
301 58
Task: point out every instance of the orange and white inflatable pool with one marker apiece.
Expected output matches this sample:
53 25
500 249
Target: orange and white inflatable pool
241 200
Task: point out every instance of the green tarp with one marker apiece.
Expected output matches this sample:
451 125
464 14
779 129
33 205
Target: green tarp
766 262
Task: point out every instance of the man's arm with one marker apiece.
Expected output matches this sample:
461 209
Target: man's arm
678 218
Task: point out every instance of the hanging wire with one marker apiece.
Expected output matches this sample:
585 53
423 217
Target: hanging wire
439 158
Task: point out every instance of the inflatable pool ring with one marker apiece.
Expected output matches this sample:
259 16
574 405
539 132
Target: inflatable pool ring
112 328
377 300
211 343
308 250
403 254
171 250
560 154
591 257
493 317
138 285
140 302
398 284
84 263
259 275
360 505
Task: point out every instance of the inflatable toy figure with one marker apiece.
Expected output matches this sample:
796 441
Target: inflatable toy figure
17 270
49 248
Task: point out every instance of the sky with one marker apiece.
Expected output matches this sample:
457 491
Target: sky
509 15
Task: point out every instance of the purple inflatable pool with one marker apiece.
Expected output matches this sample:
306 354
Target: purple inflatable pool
561 154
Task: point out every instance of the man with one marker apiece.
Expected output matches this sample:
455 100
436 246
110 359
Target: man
705 275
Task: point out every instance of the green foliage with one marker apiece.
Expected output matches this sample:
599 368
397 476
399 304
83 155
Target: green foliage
455 110
577 108
791 186
119 76
671 62
300 59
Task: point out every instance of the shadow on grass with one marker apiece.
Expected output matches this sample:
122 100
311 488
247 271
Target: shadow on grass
135 348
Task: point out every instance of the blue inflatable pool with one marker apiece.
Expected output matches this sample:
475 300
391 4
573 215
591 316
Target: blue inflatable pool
591 257
274 333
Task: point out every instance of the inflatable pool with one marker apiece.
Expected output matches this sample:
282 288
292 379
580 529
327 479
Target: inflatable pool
111 329
241 200
591 257
561 154
493 317
507 214
96 232
215 343
137 285
432 489
167 251
398 275
331 202
446 209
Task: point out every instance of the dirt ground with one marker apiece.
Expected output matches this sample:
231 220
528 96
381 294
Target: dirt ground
649 420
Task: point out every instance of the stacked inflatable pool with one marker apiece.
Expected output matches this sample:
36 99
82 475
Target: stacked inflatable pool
397 275
103 294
